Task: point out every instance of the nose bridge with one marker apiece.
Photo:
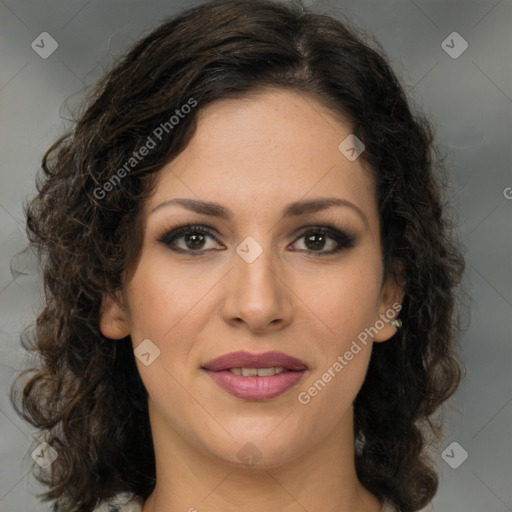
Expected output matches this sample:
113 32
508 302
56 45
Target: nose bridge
255 268
256 293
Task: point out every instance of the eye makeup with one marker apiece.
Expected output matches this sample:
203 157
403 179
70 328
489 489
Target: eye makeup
198 234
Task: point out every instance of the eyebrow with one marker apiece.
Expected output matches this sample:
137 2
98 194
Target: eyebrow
295 209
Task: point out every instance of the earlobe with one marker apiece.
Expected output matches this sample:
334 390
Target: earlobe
113 318
387 331
389 311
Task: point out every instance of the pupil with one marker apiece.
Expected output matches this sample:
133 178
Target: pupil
196 239
317 239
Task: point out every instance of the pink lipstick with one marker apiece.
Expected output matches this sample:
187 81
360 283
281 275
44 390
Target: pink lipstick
256 376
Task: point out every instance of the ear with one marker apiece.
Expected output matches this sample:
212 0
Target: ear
390 305
113 317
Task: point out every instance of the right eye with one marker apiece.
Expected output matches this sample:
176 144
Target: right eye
191 238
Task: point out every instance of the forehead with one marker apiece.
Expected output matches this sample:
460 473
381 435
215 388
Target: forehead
265 150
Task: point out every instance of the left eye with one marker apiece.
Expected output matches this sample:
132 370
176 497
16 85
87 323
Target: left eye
315 239
193 239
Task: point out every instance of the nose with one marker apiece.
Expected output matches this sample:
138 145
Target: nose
258 295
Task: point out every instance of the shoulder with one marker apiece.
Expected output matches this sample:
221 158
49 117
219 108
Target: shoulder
122 502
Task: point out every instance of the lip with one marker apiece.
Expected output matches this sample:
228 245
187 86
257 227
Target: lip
255 388
244 359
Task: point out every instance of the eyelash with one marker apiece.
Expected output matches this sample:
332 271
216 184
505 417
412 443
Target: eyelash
344 240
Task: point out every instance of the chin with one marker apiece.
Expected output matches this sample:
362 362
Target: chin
259 452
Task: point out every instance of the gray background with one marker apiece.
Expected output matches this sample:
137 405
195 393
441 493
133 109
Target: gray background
469 98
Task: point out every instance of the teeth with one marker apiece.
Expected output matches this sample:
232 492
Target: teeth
257 372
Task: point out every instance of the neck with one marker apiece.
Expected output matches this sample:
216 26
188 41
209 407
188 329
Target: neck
193 479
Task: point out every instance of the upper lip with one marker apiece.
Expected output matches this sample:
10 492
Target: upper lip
243 359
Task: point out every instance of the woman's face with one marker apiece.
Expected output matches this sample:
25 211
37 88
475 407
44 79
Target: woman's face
281 270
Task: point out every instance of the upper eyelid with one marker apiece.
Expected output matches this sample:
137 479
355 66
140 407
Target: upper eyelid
205 227
181 230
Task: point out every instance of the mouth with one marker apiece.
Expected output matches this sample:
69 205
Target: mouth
256 376
250 361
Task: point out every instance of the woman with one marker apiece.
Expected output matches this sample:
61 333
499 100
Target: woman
250 282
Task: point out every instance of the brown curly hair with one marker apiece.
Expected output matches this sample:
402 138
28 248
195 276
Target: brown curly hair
86 395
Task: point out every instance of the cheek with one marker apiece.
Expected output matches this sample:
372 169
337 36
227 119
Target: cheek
347 302
170 308
161 297
333 387
344 300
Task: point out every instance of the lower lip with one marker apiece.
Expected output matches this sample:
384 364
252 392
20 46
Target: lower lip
256 388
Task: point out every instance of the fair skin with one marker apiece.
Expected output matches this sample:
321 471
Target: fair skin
253 157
